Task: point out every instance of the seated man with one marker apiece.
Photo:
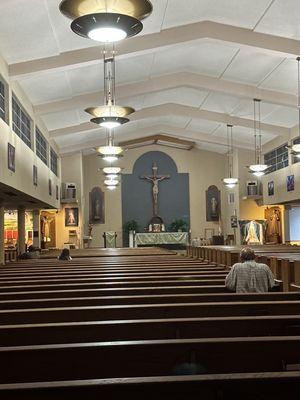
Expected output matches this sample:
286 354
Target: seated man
248 276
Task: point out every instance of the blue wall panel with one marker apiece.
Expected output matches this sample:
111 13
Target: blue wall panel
173 201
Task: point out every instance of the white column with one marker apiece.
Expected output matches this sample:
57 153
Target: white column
2 255
36 229
21 230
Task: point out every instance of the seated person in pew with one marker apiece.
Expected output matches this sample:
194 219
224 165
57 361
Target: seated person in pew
65 255
248 276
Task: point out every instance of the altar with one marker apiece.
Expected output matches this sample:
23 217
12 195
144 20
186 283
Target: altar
158 238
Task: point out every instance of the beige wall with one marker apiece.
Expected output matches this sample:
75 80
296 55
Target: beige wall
25 157
72 172
204 168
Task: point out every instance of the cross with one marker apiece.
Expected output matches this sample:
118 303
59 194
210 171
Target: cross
155 190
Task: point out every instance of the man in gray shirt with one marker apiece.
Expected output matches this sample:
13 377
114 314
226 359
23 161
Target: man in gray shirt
248 276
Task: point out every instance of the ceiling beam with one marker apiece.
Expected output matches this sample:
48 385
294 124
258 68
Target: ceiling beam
178 110
197 137
167 37
171 81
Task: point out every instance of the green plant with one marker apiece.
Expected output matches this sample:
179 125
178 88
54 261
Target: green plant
131 226
179 224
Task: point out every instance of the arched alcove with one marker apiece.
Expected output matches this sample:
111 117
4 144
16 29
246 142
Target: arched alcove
173 199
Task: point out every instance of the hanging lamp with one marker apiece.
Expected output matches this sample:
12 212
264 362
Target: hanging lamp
106 20
110 152
230 181
296 146
109 115
257 169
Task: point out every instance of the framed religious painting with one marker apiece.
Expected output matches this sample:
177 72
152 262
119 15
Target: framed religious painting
97 211
290 183
213 204
11 157
271 188
35 175
56 192
71 216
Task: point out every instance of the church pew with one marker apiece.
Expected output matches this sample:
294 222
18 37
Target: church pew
66 293
110 275
119 279
138 311
147 329
109 284
101 272
146 358
246 386
195 297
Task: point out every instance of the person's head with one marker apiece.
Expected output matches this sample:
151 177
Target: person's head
65 254
247 254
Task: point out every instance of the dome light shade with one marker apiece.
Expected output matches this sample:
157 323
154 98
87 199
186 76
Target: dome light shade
107 35
111 187
258 167
111 176
296 148
230 181
110 150
106 21
109 122
110 158
258 173
112 170
111 182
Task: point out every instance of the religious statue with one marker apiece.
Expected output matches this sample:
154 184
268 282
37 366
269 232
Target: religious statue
155 179
214 206
273 231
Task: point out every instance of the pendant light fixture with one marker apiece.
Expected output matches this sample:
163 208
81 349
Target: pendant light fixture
230 182
257 169
109 115
106 20
296 146
110 152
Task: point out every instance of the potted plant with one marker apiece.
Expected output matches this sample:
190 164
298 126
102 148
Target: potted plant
131 226
179 225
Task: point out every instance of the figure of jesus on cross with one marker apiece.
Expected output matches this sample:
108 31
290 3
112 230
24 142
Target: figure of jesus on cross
155 190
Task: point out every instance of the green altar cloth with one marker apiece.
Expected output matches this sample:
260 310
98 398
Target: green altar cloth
154 238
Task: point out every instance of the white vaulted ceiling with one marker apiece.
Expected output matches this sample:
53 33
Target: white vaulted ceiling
196 66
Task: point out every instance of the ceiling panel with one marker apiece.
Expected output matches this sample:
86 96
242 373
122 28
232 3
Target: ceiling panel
241 134
220 103
61 119
245 109
243 13
23 23
46 87
251 66
177 121
284 78
207 57
181 95
282 19
283 116
202 125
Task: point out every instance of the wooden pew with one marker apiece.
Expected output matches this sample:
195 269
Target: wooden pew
146 358
144 299
138 311
144 290
147 329
246 386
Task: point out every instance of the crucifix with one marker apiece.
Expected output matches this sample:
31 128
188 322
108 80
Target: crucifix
155 190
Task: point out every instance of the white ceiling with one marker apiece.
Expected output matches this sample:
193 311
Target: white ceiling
35 29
